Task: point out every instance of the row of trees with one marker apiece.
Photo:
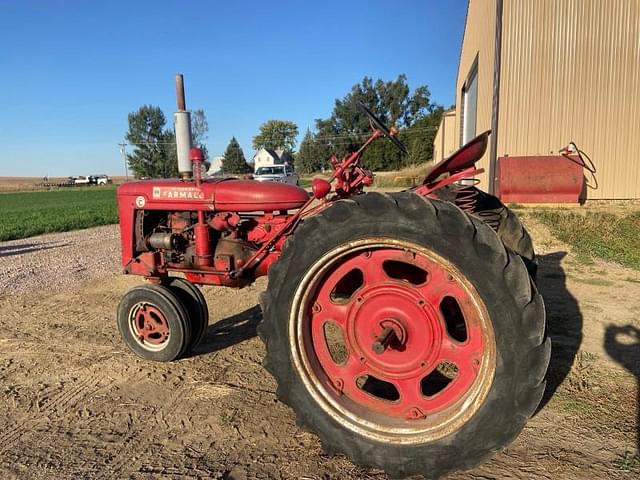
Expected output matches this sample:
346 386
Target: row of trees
154 153
348 126
343 132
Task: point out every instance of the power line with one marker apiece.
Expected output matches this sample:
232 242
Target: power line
345 136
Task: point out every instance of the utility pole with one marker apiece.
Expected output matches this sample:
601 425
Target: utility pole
123 147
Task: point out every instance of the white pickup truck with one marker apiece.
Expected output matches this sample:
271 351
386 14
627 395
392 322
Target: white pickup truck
100 179
276 173
81 180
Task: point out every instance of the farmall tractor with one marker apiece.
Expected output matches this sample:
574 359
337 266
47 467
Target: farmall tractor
404 329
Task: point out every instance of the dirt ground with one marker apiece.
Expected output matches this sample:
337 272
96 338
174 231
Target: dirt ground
77 405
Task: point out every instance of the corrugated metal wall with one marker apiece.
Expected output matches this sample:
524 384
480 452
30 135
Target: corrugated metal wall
478 42
570 70
444 144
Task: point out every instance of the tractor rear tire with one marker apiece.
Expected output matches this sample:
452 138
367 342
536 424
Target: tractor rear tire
504 222
196 306
154 323
379 268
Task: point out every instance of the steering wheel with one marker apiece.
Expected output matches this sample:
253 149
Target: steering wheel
383 128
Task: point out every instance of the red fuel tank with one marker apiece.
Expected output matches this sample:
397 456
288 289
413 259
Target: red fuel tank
539 179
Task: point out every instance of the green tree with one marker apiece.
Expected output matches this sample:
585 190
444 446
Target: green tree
234 160
309 158
391 101
420 136
200 133
275 134
154 152
199 130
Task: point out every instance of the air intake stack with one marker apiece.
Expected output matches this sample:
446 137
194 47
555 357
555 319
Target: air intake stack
182 125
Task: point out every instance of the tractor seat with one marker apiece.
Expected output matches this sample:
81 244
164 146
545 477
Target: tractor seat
463 158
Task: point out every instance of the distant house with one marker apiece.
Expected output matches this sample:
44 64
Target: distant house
266 157
216 166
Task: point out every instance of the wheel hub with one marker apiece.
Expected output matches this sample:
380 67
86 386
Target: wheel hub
393 335
408 324
149 325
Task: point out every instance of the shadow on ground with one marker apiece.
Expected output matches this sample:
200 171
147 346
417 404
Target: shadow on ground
230 331
564 321
10 250
622 343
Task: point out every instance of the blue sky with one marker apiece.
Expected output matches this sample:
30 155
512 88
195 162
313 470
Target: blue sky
71 71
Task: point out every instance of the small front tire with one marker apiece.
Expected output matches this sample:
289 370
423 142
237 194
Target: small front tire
196 307
153 323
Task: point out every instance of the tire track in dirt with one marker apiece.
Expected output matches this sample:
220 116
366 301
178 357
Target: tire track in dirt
92 379
127 459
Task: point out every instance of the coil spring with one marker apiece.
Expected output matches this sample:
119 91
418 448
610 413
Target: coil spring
467 199
466 195
493 218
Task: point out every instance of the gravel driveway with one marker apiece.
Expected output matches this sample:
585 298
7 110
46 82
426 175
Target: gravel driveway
58 260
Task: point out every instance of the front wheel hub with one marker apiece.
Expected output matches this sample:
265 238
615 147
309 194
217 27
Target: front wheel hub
149 326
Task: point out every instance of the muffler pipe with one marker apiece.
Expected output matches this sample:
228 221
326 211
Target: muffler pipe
182 126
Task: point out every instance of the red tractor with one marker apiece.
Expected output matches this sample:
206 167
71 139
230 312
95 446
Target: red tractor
404 329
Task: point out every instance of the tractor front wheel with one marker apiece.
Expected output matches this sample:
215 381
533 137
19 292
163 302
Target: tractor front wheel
154 323
196 306
404 334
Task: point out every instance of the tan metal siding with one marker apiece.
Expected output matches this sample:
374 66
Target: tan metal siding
450 134
478 42
444 144
570 70
438 146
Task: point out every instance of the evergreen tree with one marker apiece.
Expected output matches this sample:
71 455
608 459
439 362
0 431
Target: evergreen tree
309 158
234 160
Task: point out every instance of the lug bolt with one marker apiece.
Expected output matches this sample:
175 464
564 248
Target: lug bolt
414 413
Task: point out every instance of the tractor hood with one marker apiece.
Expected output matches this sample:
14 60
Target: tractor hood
227 194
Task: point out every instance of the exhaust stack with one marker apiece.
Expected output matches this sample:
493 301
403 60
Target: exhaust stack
182 126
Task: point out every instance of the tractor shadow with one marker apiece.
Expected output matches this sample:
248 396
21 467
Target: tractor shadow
622 343
230 331
21 249
564 321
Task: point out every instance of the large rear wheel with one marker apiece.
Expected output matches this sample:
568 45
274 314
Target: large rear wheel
416 354
498 216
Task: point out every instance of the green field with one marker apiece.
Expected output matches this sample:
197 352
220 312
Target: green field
26 214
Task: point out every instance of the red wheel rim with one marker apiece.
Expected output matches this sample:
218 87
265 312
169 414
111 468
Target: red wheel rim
149 326
411 349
